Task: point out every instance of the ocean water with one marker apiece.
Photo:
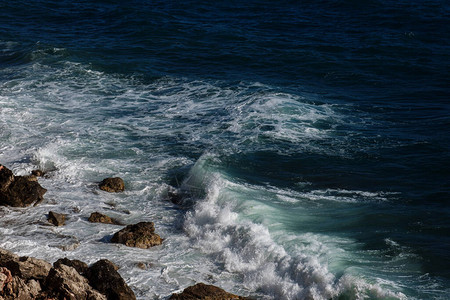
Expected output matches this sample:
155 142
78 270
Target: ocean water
309 140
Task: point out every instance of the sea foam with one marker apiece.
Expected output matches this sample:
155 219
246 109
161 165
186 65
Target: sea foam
248 248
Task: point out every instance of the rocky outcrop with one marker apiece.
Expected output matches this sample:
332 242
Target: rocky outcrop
5 277
205 292
26 278
104 277
112 185
23 289
19 191
24 267
29 268
64 282
97 217
56 218
81 267
141 235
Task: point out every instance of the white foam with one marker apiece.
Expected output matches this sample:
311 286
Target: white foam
249 249
84 125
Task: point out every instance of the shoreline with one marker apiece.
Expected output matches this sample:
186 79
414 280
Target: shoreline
76 280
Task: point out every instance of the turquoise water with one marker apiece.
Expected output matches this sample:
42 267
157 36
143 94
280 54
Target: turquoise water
308 141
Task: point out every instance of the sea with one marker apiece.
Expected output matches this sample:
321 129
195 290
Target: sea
307 143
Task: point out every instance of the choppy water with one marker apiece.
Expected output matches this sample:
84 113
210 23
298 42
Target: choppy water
309 139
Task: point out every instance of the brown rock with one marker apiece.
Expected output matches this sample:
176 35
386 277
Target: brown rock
104 277
6 256
97 217
24 290
24 267
20 289
33 268
30 177
38 173
26 278
112 185
141 235
23 275
65 282
205 292
6 178
78 265
5 278
28 268
19 191
56 218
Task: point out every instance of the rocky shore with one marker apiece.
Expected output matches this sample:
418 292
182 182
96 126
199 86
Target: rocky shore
26 278
31 278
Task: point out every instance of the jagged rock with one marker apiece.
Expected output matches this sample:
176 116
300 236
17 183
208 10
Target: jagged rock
27 278
112 185
20 276
28 267
6 256
205 292
81 267
104 277
24 267
65 282
19 191
5 278
97 217
141 235
24 290
56 218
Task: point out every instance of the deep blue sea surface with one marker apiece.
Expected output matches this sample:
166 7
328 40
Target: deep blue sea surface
309 140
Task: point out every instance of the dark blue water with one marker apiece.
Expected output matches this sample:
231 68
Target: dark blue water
345 105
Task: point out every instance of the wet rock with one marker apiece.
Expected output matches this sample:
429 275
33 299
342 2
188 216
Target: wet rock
112 185
38 173
19 191
141 235
97 217
104 277
81 267
175 198
65 282
206 292
30 177
6 178
56 218
141 266
23 192
65 242
68 247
